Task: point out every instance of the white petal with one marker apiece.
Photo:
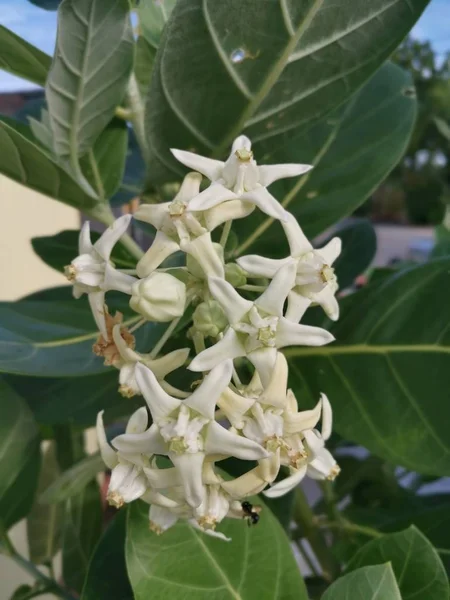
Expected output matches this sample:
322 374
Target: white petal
261 266
228 347
275 392
331 251
327 417
162 518
161 479
109 455
190 187
206 166
266 202
242 142
270 173
328 302
154 214
162 247
134 486
298 242
234 306
322 466
273 299
149 442
234 406
264 361
209 532
84 240
158 499
286 485
221 441
297 306
227 211
190 470
111 236
166 364
296 422
214 195
206 396
292 334
203 251
97 304
159 402
115 280
138 421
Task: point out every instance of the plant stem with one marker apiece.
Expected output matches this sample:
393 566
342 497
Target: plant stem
443 551
138 325
225 233
306 520
253 288
137 115
163 339
345 525
49 584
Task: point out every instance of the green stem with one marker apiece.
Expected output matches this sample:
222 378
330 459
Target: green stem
306 520
163 339
137 115
252 288
345 525
443 551
49 585
225 233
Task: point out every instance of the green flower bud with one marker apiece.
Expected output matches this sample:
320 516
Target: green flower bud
209 318
235 275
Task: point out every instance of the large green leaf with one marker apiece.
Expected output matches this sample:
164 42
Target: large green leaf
386 373
81 532
44 522
417 567
21 58
107 577
90 71
257 563
352 151
46 4
52 335
72 481
367 583
153 17
19 457
227 67
26 163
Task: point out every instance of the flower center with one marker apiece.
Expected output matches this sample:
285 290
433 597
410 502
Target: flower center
297 458
177 208
115 499
244 155
272 443
207 522
327 274
178 445
70 272
266 335
126 391
334 472
155 528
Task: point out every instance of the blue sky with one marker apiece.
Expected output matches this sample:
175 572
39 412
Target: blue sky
39 27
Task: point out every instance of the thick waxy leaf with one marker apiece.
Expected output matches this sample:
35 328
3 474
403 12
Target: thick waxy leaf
59 250
21 58
258 69
134 176
386 373
44 522
72 481
352 151
153 17
92 64
368 583
107 577
52 335
82 530
26 163
417 567
19 457
257 563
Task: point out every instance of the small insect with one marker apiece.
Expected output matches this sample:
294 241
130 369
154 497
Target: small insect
251 513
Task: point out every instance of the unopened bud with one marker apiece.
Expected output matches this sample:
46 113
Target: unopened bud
159 297
209 318
235 275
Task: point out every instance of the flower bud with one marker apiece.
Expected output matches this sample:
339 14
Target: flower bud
159 297
235 275
194 266
209 318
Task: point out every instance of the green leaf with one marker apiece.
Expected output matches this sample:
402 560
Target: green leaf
46 4
50 334
22 59
373 128
368 583
143 64
417 567
90 71
44 522
59 250
107 577
134 175
258 562
226 67
73 481
153 17
82 530
25 162
19 457
385 374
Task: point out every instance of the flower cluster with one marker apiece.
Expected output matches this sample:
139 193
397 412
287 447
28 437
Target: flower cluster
170 460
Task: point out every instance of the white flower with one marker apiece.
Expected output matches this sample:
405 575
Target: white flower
160 367
180 228
257 328
315 281
87 271
239 178
186 430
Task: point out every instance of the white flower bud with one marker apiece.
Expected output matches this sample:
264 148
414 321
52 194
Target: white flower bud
159 297
235 275
209 318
